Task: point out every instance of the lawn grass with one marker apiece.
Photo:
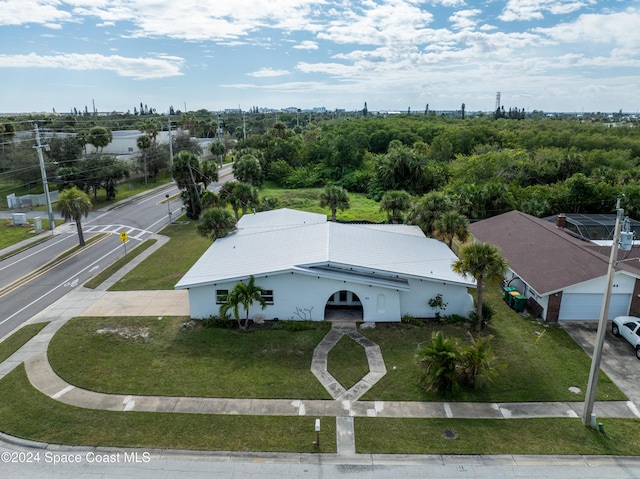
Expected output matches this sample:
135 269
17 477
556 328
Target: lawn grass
127 189
169 263
308 199
211 362
274 363
10 234
19 339
496 436
536 362
27 413
347 362
105 274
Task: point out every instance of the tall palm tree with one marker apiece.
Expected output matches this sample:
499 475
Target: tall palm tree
243 295
484 262
74 204
336 198
395 203
451 225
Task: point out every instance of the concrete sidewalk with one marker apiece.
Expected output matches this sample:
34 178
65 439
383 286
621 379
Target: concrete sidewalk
85 302
344 407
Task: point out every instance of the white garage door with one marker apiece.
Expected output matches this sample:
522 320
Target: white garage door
587 306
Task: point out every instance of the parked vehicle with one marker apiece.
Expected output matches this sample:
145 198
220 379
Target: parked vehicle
629 328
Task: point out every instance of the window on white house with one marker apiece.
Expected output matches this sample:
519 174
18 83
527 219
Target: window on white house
268 296
221 296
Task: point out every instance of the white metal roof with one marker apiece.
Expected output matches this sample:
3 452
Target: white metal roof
255 249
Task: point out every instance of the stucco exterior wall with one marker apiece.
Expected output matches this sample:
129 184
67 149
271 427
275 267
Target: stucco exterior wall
416 301
300 296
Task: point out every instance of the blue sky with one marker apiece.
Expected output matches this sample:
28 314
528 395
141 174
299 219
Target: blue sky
551 55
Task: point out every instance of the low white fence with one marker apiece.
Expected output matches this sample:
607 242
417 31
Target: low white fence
25 201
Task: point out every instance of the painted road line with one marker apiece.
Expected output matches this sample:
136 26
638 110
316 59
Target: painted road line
66 281
27 278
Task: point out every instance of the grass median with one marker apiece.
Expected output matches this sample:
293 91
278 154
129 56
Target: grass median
19 339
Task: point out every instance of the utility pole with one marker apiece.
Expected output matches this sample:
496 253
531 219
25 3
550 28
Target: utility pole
244 126
588 418
219 133
170 143
45 183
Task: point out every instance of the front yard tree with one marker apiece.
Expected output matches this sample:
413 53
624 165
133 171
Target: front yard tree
216 223
336 198
485 263
243 295
73 204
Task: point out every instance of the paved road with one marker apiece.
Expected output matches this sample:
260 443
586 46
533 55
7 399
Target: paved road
22 297
153 464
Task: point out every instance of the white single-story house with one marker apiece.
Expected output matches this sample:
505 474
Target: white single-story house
309 266
562 273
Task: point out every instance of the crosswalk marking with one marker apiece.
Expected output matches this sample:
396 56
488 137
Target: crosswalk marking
134 233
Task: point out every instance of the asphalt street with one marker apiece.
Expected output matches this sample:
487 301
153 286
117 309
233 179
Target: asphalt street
24 294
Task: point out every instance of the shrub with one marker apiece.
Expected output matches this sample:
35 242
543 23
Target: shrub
217 322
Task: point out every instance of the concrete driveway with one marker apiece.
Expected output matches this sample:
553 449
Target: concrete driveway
619 360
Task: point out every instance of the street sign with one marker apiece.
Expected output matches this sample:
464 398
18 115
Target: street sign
124 237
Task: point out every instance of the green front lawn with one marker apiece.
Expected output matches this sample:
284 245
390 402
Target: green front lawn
27 413
164 268
496 436
148 356
269 363
535 363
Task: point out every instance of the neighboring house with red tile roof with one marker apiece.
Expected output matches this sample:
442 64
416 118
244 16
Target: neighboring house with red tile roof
562 272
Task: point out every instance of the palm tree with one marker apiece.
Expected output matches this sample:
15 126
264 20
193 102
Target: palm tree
243 295
426 210
74 204
439 362
247 169
336 198
395 203
216 223
451 225
484 262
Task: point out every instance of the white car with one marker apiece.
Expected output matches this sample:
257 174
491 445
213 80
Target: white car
629 328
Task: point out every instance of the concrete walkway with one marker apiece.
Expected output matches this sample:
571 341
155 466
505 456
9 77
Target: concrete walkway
83 302
346 403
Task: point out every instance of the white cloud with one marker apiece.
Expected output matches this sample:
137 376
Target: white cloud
20 12
534 9
617 28
307 45
465 19
136 68
268 72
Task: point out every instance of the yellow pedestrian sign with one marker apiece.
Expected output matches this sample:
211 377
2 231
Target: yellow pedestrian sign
124 237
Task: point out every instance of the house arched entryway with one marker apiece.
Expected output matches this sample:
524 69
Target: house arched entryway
343 305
